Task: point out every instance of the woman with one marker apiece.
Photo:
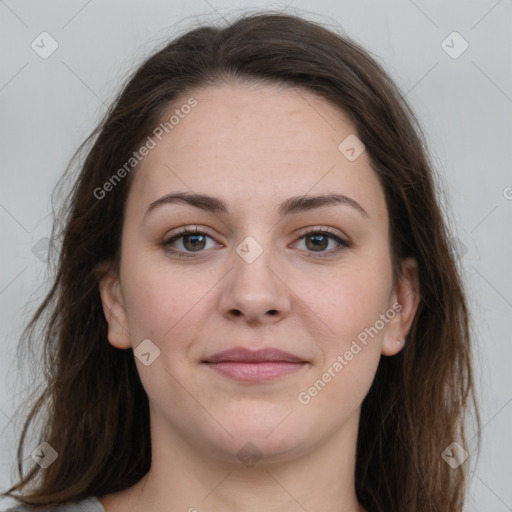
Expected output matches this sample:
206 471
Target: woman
257 221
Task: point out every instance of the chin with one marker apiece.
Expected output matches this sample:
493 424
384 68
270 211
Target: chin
268 440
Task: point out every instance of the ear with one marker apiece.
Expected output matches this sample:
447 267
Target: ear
405 299
113 305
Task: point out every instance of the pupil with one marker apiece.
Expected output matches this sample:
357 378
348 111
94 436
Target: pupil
315 239
195 244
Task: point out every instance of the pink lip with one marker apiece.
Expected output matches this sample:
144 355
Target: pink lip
246 365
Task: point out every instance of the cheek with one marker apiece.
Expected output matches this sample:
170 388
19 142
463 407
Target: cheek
351 342
347 300
147 295
160 302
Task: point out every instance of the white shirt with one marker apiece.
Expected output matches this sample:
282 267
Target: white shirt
91 504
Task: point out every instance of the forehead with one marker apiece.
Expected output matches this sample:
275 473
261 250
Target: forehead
255 144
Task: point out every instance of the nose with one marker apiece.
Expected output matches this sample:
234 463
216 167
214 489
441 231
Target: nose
255 292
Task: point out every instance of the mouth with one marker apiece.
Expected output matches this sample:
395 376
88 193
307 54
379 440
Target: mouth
250 366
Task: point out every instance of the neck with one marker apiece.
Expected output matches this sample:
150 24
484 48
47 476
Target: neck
185 476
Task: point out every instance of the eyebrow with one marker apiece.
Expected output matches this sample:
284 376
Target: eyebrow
290 206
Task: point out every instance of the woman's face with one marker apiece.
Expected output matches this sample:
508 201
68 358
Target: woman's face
270 162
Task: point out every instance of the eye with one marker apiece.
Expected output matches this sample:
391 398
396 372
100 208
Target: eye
187 241
190 240
318 239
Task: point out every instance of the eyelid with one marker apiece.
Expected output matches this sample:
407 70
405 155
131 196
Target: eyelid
191 229
304 231
322 229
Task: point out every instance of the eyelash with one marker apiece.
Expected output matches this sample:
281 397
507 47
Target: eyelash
343 244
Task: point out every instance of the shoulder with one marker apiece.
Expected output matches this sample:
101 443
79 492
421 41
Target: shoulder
91 504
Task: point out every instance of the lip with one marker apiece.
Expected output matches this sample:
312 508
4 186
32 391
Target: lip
253 366
245 355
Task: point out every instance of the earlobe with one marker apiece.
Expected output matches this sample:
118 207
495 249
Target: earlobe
113 307
405 300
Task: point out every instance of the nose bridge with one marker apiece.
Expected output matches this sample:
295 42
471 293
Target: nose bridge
254 288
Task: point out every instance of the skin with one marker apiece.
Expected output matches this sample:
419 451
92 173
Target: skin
290 297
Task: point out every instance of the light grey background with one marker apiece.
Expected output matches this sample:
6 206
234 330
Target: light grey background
48 106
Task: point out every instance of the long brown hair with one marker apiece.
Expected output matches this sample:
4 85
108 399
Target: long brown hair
95 409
